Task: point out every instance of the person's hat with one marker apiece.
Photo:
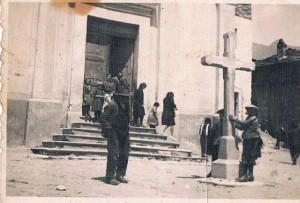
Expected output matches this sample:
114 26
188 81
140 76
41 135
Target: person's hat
220 111
251 107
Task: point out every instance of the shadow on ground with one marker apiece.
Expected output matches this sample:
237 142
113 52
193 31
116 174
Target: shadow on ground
190 177
103 179
283 162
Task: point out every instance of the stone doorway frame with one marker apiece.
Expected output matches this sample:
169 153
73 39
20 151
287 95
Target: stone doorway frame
145 22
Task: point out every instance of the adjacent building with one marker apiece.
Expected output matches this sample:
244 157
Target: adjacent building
276 88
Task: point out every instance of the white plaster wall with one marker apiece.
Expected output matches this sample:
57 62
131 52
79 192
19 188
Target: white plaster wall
22 22
186 36
39 43
244 53
188 32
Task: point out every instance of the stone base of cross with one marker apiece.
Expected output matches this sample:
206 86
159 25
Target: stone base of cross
227 164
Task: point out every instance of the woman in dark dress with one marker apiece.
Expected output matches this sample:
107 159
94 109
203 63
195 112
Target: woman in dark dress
139 110
168 115
98 101
252 142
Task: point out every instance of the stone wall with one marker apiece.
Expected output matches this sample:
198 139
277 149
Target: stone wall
39 61
16 122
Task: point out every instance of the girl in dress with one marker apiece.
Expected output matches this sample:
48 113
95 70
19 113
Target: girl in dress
152 118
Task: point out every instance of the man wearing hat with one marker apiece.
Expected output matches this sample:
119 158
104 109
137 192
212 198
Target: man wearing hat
252 142
216 134
115 126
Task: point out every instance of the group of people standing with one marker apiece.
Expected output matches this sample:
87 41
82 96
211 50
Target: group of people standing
113 112
168 114
252 142
94 96
210 135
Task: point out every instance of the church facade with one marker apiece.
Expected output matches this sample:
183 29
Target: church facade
52 48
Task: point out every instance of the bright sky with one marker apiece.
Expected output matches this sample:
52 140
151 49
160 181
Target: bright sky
272 22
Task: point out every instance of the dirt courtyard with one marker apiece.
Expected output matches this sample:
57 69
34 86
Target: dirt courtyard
30 175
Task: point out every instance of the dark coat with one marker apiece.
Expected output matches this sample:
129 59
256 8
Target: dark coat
97 100
252 143
123 115
249 127
138 109
168 115
217 132
294 136
108 118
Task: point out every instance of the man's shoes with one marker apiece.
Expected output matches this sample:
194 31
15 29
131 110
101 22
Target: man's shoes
250 179
244 178
112 181
122 179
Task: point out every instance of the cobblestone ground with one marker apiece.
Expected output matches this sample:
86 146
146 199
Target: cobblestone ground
29 175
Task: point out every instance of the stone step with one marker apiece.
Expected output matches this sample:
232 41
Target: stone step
158 150
81 130
89 131
132 128
53 144
142 130
78 152
99 138
88 125
148 135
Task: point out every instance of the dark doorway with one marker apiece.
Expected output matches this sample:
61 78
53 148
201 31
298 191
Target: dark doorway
121 57
110 48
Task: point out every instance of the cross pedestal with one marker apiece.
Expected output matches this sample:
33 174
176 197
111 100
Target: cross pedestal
227 164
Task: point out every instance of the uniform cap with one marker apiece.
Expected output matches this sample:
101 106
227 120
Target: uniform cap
251 107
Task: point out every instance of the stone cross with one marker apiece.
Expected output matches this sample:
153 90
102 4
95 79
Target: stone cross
227 164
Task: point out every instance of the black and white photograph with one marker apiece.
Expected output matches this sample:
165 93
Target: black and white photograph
150 101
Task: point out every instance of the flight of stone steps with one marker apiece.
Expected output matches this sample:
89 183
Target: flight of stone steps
85 139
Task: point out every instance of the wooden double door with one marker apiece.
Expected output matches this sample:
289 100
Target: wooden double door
110 48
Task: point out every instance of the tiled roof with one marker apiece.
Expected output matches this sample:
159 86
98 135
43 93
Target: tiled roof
291 55
243 10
